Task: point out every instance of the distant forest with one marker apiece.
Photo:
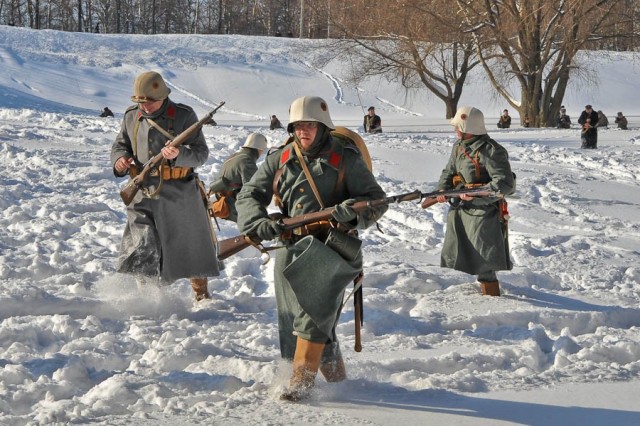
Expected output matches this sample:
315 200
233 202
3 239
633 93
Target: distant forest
293 18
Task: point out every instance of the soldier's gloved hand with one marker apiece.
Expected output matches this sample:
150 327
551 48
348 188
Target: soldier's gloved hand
343 212
269 230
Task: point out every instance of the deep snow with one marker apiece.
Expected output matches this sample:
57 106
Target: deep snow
80 344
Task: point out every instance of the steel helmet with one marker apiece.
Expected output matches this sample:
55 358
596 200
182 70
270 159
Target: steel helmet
309 108
469 120
149 87
256 141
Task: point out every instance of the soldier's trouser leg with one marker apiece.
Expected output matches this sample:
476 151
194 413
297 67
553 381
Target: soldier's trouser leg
332 365
489 283
143 282
306 362
199 286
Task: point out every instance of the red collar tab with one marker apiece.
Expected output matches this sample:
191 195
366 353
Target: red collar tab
171 111
285 156
334 159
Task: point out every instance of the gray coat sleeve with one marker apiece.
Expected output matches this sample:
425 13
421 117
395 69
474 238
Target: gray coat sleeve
194 151
255 196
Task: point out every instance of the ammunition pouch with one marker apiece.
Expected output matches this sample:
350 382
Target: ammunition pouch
167 173
220 207
318 229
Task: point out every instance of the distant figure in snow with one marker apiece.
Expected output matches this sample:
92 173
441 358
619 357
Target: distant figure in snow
621 121
275 123
211 122
603 121
526 122
589 134
106 112
505 120
372 122
564 121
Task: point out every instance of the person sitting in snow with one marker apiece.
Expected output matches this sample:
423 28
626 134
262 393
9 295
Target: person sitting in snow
505 120
564 121
106 112
372 122
621 121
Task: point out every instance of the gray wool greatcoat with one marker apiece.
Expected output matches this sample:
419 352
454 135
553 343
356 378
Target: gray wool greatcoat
309 280
168 236
236 171
476 239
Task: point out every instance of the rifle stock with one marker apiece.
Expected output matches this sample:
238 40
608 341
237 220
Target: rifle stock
231 246
130 190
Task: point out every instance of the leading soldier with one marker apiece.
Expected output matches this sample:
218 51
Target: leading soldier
168 233
315 170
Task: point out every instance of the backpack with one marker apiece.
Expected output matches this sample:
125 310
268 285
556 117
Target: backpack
351 137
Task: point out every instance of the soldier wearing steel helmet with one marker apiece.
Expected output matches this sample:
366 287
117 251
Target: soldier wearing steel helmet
238 170
476 240
168 233
310 277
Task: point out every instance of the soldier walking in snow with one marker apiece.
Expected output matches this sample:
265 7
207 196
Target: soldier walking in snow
476 239
316 169
236 171
168 235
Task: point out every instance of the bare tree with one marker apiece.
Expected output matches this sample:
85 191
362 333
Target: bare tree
534 43
409 42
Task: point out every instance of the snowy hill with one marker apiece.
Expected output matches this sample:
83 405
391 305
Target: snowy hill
79 344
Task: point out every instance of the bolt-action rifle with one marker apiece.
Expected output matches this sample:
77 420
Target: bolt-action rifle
133 186
231 246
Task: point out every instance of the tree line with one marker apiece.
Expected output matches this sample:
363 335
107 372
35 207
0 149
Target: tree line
424 44
247 17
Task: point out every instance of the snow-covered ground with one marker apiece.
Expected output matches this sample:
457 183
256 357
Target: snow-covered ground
79 344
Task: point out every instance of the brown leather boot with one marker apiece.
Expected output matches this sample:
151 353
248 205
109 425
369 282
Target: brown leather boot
306 362
490 288
199 286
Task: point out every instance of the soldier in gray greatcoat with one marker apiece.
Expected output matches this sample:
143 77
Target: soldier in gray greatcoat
238 170
310 277
168 233
476 240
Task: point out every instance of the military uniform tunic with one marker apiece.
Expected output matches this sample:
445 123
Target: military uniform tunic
168 236
236 171
476 238
297 199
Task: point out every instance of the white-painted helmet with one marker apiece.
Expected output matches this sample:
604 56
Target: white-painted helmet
256 141
469 120
309 108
